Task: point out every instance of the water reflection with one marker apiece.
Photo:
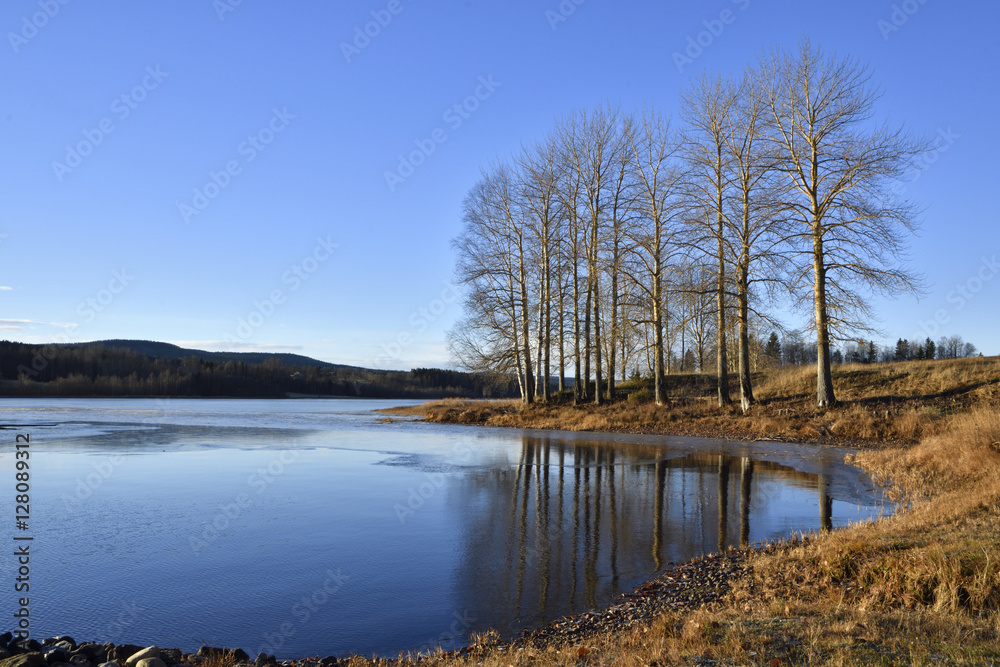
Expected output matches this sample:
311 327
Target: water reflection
572 524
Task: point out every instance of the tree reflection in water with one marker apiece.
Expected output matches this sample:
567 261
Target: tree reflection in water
575 523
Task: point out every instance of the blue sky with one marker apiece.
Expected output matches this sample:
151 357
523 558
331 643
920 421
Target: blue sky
213 173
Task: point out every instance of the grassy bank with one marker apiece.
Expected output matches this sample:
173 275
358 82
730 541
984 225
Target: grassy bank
883 404
920 587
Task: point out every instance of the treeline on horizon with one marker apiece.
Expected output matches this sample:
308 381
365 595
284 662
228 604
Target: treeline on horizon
629 243
96 370
792 350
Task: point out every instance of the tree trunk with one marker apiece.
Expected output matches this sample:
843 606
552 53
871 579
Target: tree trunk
722 362
585 390
824 374
614 326
746 388
576 321
597 340
657 338
562 328
624 365
547 305
529 380
539 342
517 345
743 298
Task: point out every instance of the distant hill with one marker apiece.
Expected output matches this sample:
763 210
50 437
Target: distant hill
150 368
154 348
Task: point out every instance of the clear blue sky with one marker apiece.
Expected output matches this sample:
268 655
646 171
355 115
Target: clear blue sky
160 95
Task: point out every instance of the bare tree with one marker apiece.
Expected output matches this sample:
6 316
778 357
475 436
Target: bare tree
541 205
758 235
706 108
487 338
493 261
569 197
622 205
840 167
653 150
591 152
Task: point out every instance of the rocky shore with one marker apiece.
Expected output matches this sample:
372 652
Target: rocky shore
685 586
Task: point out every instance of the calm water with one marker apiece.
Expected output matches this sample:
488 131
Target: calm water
312 527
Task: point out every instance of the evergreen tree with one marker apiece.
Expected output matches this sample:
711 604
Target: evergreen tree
772 350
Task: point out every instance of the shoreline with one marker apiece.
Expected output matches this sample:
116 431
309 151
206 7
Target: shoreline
679 587
479 412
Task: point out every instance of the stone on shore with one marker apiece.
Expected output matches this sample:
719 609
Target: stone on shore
121 653
171 656
33 659
66 641
89 649
55 654
148 652
150 662
26 646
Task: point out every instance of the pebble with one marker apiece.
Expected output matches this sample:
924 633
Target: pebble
148 652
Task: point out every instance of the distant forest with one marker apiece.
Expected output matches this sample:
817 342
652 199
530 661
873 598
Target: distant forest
116 369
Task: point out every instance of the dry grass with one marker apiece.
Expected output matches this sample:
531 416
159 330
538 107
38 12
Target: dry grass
219 659
920 587
897 403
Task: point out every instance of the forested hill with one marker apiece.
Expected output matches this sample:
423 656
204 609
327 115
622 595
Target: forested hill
154 348
149 368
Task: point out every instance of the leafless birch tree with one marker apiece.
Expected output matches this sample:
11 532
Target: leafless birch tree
840 165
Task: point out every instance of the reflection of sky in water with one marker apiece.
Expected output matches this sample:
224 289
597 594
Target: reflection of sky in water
310 527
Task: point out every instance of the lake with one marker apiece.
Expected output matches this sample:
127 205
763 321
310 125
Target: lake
319 527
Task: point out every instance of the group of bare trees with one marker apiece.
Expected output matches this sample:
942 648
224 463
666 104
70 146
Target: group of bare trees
619 235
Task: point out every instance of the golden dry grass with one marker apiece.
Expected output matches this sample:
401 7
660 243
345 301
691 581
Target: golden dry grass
897 403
